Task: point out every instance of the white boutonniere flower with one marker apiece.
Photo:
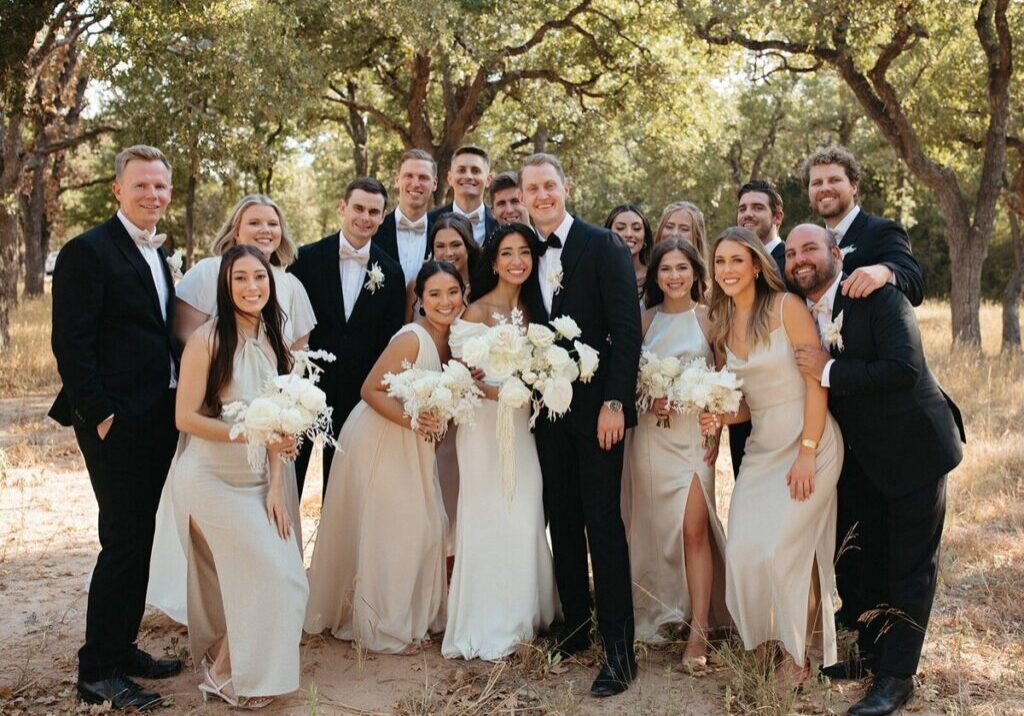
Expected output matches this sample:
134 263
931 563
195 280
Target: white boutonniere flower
847 250
174 262
375 278
833 333
555 279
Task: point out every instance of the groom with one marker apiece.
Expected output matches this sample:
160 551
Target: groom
113 308
585 273
903 434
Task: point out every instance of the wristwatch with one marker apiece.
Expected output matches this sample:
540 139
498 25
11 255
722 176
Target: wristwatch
613 405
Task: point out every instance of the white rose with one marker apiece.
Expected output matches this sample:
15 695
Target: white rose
475 351
313 399
292 422
505 334
442 396
671 366
557 395
566 327
589 360
458 373
540 336
558 358
514 393
500 369
262 415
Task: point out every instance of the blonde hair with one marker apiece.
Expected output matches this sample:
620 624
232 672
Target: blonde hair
227 235
143 152
696 218
540 159
767 283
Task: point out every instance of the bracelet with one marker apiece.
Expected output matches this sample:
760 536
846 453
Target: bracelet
809 444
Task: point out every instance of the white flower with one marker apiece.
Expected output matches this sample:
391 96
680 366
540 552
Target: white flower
833 333
514 393
476 351
292 421
846 250
540 336
555 279
566 327
262 414
375 278
174 262
313 399
557 395
557 358
589 360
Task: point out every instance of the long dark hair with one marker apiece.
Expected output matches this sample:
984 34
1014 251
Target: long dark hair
653 295
462 226
484 280
645 250
225 335
430 268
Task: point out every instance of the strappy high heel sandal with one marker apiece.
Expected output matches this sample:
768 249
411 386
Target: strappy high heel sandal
210 688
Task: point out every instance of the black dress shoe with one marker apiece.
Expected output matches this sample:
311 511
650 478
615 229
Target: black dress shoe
141 664
614 677
121 692
887 693
851 669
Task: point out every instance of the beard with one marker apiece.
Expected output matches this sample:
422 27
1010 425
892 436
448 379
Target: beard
839 210
820 278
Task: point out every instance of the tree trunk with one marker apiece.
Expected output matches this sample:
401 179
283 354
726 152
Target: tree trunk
190 216
34 230
967 252
540 139
9 272
1013 291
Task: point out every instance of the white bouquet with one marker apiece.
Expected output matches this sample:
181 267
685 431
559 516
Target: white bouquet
656 380
291 405
450 394
701 388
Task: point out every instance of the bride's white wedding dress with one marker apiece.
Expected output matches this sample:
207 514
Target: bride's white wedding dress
502 589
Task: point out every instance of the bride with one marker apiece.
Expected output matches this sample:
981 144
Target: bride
502 590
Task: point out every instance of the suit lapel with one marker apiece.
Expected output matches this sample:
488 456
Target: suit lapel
332 278
575 247
169 281
364 297
387 236
132 252
838 306
856 227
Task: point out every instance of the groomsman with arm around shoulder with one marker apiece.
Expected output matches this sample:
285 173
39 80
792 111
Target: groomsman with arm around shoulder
903 434
113 303
469 177
358 295
585 273
403 233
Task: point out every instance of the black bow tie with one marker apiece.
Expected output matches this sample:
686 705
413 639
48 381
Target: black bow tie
552 242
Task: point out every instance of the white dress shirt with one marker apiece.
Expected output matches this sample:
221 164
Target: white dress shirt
477 218
823 317
412 244
551 261
844 224
353 274
155 262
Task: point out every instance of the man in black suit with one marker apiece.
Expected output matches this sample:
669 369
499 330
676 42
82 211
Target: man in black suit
585 272
760 210
902 435
875 251
355 315
403 233
469 177
113 304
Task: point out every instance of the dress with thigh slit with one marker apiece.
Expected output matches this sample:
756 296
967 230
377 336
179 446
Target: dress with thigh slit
775 541
245 582
661 463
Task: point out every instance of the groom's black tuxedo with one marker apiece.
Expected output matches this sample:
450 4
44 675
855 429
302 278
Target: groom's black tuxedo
903 434
874 240
582 482
356 342
114 350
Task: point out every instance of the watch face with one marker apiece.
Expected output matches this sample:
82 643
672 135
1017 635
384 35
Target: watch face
615 406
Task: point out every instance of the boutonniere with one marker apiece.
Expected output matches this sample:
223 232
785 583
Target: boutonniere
174 262
555 279
833 333
375 278
847 250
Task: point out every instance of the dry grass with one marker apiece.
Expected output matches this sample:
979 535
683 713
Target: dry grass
28 367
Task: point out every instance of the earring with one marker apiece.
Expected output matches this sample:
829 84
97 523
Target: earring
422 312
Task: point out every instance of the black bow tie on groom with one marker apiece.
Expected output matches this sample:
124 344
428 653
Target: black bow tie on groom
552 242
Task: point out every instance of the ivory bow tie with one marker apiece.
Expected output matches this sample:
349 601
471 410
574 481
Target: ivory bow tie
821 307
475 217
148 238
347 252
417 226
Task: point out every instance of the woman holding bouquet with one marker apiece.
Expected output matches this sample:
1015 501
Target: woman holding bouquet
782 518
377 577
502 590
246 583
676 542
258 222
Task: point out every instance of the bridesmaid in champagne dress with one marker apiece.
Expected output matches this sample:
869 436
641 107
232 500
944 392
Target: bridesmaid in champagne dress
255 221
782 517
676 542
247 587
377 577
503 584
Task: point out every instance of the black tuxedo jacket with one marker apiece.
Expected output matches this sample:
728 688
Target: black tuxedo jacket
387 238
357 342
490 223
873 240
896 420
779 254
112 344
599 293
